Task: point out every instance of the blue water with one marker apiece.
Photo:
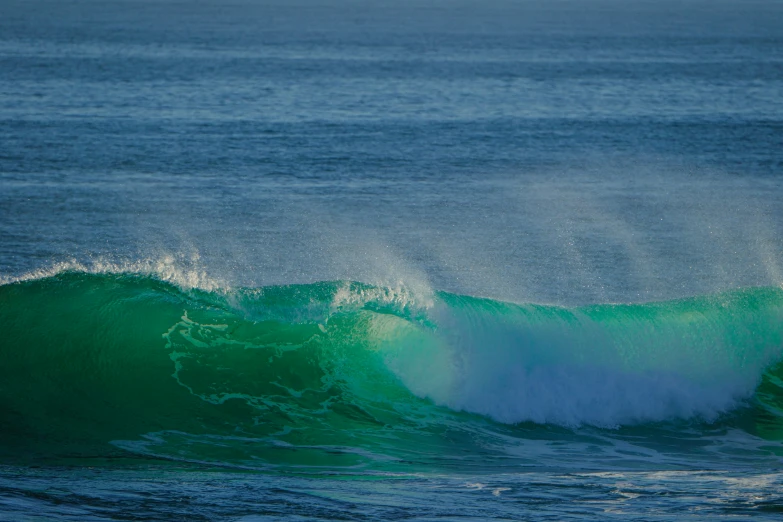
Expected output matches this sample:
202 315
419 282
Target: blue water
565 153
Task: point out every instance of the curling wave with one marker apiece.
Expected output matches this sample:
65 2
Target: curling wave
348 373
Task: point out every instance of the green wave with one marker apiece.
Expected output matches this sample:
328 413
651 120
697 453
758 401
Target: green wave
347 375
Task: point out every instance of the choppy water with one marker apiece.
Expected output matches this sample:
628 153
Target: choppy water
431 259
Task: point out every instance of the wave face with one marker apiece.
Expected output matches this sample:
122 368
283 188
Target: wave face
348 374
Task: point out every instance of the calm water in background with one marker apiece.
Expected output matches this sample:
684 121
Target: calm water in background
553 152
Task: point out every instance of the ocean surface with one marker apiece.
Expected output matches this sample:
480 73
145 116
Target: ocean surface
375 260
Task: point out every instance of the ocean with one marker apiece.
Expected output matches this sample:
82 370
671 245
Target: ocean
375 260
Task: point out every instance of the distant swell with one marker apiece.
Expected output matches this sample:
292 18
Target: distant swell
348 373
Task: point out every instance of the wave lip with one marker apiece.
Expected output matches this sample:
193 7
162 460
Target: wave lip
184 273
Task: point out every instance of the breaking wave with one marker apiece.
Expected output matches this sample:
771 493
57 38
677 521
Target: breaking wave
345 373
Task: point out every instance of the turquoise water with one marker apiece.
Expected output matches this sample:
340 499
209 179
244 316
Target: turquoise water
432 259
358 384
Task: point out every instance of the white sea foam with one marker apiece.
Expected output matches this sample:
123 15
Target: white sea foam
400 296
572 369
186 274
